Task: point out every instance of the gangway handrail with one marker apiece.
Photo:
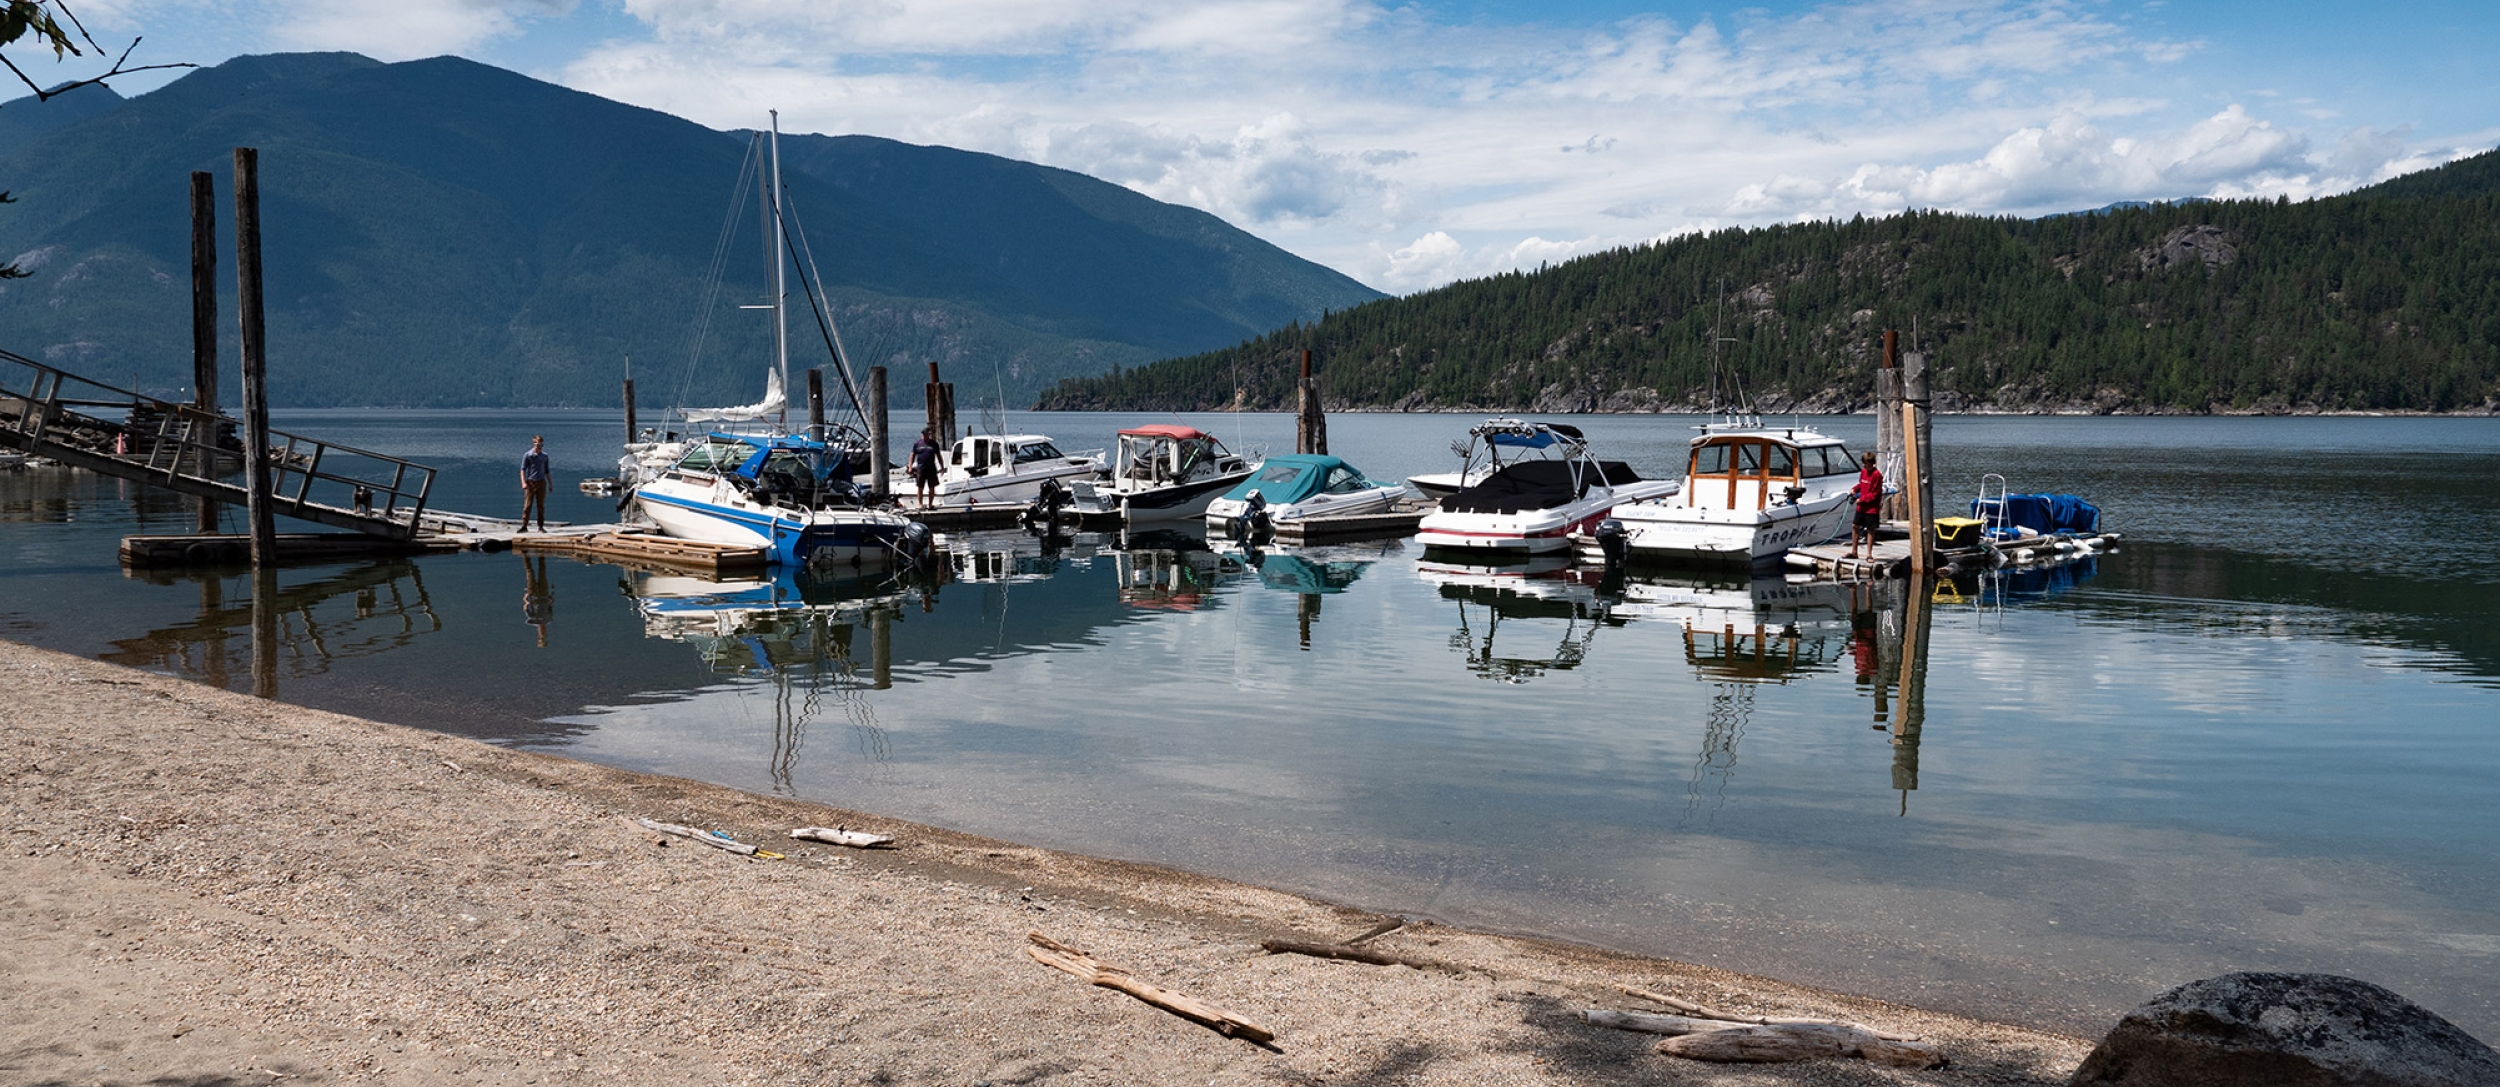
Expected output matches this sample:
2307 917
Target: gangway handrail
35 413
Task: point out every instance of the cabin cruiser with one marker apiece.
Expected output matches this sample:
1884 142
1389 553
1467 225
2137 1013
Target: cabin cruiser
1163 472
1291 486
998 469
789 495
1489 445
1533 505
1750 493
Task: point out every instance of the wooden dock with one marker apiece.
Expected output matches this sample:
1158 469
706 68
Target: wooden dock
649 552
1831 560
183 552
1389 524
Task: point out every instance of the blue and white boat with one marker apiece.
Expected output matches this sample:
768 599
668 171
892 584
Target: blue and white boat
789 495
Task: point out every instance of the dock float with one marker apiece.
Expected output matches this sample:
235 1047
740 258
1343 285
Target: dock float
1389 524
219 549
648 552
1831 560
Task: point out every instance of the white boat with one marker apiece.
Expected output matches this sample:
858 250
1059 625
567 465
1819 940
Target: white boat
997 469
1532 506
1289 487
1750 493
1163 472
1489 445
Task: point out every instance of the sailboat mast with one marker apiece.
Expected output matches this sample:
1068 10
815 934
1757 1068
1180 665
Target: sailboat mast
781 293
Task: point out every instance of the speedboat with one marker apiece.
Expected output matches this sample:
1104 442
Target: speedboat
1489 445
1163 472
789 495
1291 486
996 469
1750 493
1532 506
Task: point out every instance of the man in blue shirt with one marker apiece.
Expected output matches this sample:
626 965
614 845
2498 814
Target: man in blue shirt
534 484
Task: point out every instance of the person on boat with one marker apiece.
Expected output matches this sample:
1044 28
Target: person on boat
923 465
1870 496
534 474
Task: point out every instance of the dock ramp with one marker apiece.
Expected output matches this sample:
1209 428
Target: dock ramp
48 412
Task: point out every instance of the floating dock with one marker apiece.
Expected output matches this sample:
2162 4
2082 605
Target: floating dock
1350 528
649 552
177 552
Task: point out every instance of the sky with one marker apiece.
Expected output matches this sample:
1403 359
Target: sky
1409 145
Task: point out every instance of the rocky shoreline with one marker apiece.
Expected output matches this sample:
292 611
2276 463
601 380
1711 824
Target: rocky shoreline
205 888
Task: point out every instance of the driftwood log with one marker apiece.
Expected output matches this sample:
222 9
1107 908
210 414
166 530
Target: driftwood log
1799 1042
1059 956
1703 1011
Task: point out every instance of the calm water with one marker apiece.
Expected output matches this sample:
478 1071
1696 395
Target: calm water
2263 735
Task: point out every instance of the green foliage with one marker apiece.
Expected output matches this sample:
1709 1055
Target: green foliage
2388 299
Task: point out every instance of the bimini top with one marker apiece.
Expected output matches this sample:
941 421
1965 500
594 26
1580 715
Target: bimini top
1522 435
1174 431
1536 485
1291 477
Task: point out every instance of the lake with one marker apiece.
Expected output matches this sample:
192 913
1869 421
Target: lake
2262 734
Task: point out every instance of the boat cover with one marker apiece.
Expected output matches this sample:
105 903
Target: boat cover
1533 485
1288 478
2047 514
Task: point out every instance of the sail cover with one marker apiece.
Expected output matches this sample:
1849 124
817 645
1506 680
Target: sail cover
774 400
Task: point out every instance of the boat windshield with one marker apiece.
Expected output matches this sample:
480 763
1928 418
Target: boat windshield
715 456
1033 451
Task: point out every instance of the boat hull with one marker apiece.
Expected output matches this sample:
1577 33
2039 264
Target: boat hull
789 537
1536 531
1222 512
1178 502
1669 532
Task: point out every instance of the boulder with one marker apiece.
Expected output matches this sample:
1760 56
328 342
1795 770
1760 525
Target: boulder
2286 1030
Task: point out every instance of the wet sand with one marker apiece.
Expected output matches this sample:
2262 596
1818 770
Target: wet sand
202 888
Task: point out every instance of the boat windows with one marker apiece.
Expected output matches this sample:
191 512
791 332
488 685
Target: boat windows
1710 460
1343 480
715 457
1027 454
1780 461
1749 459
1280 473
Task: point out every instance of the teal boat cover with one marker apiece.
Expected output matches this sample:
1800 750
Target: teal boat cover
1291 477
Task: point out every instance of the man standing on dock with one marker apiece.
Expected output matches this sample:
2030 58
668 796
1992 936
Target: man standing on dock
923 465
1870 501
534 484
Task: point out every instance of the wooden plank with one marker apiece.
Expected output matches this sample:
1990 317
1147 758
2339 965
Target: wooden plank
1059 956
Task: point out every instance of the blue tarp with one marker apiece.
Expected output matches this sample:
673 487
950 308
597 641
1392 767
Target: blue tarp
2046 514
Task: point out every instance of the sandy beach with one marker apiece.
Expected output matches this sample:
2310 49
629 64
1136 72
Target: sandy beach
202 888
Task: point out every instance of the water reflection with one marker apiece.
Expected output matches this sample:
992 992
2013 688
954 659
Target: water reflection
1313 572
250 621
1558 611
795 635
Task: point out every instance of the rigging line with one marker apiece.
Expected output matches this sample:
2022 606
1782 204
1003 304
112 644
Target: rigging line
813 282
712 276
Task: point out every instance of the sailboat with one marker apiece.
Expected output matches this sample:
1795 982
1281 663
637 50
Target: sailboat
762 486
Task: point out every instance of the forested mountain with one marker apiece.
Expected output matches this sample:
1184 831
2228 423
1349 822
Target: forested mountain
440 232
2383 299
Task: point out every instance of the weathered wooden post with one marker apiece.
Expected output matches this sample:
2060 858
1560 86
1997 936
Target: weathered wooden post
1310 430
941 407
1919 480
816 401
880 646
880 484
1888 420
255 358
632 429
204 333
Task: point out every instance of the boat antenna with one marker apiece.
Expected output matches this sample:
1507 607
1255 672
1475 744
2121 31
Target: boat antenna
781 292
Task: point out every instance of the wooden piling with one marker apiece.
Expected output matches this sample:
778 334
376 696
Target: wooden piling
1888 420
941 408
204 331
264 530
879 483
1310 429
632 431
1915 393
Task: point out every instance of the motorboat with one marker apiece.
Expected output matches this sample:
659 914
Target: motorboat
1533 505
1291 486
1000 469
789 495
1489 445
1162 472
1750 493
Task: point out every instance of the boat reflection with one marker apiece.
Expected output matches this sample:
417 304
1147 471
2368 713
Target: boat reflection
300 628
1537 590
1312 572
1168 569
796 635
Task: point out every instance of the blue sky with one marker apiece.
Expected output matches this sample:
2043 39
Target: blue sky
1411 144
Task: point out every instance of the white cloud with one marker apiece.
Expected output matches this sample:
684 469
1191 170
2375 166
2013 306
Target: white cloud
405 29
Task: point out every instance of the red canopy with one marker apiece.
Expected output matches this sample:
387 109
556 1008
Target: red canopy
1174 431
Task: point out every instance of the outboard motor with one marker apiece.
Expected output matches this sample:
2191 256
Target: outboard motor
916 543
1253 523
1043 513
1613 543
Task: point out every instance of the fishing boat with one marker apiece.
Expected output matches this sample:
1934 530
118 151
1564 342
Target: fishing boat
1289 487
1162 472
1489 445
1533 505
790 494
995 469
1750 493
